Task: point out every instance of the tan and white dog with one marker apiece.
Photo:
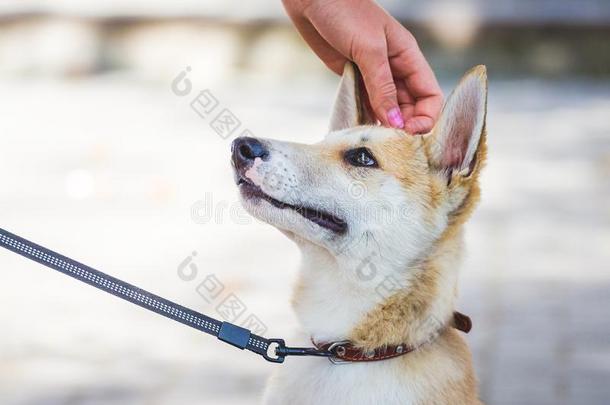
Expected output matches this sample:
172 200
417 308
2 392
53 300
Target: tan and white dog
378 216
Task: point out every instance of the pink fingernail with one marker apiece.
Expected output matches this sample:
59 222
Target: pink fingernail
395 118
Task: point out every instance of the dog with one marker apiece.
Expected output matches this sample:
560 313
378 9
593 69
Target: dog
378 216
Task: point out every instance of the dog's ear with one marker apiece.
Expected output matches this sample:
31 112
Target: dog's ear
350 108
457 137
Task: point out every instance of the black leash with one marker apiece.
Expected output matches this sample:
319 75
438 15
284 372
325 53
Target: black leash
227 332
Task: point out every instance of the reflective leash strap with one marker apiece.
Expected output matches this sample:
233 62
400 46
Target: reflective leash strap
225 331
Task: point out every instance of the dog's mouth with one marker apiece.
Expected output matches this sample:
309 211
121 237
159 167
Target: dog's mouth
320 218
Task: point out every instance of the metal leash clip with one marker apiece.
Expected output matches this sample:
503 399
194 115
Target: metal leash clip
281 351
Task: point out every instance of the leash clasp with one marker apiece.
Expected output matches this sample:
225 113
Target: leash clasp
277 346
281 351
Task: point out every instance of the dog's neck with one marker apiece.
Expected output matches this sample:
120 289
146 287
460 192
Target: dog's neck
332 304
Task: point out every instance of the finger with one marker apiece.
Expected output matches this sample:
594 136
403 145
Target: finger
409 64
422 121
375 68
419 125
406 103
334 60
413 124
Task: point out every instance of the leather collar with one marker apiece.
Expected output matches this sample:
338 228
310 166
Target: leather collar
345 352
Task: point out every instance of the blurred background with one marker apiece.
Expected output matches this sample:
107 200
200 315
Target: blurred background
117 118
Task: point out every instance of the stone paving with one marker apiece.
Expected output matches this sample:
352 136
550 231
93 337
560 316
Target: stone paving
122 175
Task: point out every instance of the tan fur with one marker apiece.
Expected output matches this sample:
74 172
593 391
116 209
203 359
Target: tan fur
394 320
401 317
457 384
391 323
436 178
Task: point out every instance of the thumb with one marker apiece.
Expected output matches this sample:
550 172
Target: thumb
379 82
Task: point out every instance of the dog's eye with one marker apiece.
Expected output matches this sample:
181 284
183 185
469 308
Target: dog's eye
360 157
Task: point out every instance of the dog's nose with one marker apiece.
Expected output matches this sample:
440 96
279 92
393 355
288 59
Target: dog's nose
246 149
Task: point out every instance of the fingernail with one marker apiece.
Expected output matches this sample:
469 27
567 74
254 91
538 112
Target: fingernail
395 118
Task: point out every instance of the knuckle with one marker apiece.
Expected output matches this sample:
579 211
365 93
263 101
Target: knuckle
363 49
377 49
374 50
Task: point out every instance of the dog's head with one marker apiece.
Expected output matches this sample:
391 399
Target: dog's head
366 189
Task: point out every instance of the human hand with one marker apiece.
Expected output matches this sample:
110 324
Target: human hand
401 86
